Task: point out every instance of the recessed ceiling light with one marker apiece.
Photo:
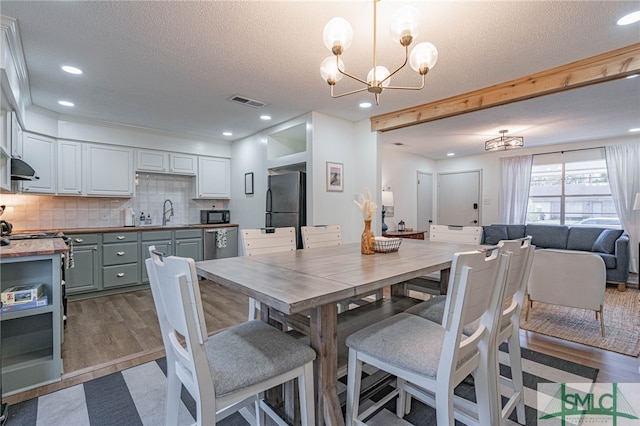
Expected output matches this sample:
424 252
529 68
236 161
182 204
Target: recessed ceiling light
365 104
265 117
66 103
71 70
636 129
450 154
632 76
630 18
227 134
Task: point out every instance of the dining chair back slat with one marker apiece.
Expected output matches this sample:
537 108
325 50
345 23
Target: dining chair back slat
268 240
321 236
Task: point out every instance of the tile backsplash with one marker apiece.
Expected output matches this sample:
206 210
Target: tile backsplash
44 212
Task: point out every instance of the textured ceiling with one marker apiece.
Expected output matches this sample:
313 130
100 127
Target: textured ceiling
172 65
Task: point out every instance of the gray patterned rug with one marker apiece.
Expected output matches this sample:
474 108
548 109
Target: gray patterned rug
136 397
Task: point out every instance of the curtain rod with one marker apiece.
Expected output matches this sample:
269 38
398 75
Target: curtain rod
570 150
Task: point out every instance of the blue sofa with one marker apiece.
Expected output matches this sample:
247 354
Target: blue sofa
611 244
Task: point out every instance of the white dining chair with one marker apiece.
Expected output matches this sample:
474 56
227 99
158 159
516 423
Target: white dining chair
328 236
522 253
430 284
429 359
229 370
266 240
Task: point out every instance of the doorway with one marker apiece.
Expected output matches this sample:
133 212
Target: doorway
425 202
459 198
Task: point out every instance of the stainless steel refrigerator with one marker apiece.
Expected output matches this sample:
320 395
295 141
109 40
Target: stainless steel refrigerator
287 202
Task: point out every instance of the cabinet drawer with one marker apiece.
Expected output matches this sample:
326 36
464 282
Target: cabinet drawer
116 254
156 235
188 233
84 239
119 275
119 237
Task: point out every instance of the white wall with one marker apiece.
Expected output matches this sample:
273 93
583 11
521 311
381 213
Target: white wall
400 172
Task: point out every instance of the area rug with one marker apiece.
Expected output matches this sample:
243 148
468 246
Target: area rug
621 322
136 396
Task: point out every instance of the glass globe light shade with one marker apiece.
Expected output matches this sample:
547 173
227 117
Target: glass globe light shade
329 70
423 55
381 74
338 31
406 21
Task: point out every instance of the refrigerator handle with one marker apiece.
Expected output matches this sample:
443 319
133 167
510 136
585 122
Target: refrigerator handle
267 220
268 200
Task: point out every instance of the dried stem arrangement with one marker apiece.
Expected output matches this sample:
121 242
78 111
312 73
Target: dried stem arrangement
366 206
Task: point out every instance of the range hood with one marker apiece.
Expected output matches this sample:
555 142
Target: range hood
20 170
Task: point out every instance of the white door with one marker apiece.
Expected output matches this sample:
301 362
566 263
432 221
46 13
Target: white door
459 198
425 202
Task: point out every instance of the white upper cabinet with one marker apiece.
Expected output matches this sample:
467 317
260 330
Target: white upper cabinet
166 162
109 171
183 164
152 161
69 168
16 137
214 178
40 153
5 151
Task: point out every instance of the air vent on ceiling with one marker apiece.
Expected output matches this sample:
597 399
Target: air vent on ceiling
246 101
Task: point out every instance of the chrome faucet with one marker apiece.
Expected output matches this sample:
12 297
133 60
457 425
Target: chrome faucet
166 219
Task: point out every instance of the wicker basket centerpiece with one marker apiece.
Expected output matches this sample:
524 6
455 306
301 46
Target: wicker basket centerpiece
387 245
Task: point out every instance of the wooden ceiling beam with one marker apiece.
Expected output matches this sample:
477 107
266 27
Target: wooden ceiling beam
608 66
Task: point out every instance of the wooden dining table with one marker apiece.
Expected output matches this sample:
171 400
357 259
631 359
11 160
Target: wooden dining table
313 281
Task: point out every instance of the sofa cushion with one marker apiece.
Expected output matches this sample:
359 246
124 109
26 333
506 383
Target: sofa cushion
609 260
549 236
582 238
493 234
516 231
606 241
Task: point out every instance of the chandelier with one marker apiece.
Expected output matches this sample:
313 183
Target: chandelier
504 142
405 26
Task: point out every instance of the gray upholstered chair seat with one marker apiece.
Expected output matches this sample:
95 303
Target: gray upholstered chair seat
407 341
251 353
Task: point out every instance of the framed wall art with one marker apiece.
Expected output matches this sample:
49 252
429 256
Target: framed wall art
335 177
248 183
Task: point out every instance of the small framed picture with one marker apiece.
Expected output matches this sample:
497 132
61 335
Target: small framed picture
335 177
248 183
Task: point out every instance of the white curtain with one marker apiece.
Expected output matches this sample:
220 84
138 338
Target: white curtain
515 176
623 167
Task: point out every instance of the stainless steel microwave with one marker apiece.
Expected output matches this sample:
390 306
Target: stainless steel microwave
215 216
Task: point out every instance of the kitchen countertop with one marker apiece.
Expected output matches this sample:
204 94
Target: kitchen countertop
70 231
33 247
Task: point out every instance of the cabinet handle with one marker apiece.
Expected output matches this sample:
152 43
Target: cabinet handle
94 248
79 240
120 237
120 274
120 253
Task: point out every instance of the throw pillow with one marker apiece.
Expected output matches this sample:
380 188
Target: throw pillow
494 233
606 241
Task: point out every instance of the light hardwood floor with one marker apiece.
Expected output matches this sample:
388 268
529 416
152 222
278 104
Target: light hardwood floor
112 333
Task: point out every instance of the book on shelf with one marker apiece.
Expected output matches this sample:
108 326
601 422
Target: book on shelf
43 301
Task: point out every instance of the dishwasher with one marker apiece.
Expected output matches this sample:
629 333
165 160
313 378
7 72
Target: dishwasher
220 242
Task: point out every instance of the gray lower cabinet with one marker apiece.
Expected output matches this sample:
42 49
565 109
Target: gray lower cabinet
113 261
86 274
120 259
188 243
163 242
30 339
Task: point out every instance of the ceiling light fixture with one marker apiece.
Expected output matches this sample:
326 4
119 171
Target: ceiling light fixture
227 134
365 105
635 129
71 70
66 103
265 117
630 18
504 142
405 26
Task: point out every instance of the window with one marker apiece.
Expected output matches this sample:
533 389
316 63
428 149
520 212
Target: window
571 189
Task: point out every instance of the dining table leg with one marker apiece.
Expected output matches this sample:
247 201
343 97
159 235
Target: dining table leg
324 339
